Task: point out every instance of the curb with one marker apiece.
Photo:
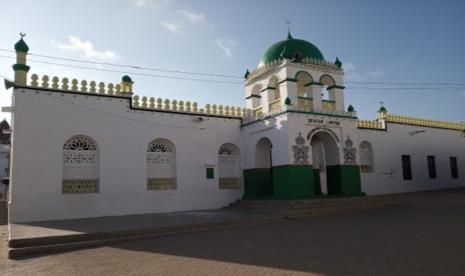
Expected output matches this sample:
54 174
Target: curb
23 248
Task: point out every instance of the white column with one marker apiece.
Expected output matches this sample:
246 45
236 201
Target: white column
289 90
316 95
266 100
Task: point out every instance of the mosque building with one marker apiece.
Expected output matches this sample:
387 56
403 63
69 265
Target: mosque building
89 149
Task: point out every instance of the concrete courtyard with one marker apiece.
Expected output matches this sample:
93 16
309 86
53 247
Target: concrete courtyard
425 235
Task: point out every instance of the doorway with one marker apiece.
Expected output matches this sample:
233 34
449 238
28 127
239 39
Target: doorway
325 153
264 161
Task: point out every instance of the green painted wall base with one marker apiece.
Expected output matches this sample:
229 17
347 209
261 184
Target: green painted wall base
293 181
257 183
344 180
301 181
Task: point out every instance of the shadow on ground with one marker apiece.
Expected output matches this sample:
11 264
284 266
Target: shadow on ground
424 236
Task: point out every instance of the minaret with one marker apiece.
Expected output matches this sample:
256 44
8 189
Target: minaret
20 67
126 86
382 115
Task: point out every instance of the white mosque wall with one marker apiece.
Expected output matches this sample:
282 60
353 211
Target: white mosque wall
276 130
44 120
418 142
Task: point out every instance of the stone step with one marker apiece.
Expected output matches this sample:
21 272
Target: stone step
43 245
292 205
310 206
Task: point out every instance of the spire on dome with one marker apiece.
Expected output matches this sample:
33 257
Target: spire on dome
288 23
289 36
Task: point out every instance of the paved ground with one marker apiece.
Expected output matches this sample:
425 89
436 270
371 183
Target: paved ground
425 236
127 223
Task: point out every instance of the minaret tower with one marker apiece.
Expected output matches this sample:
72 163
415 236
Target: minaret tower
20 67
126 86
292 75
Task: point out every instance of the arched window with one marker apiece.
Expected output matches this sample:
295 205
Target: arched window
328 96
229 167
304 93
303 78
366 157
275 90
161 165
80 165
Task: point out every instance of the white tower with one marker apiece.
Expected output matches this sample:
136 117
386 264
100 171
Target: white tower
292 74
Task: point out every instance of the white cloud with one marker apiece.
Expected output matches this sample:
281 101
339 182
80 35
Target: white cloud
194 18
227 46
151 3
351 73
172 27
87 48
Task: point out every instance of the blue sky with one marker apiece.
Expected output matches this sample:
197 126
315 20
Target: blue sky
378 41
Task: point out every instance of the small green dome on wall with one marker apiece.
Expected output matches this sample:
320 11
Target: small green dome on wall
291 48
126 78
21 46
382 109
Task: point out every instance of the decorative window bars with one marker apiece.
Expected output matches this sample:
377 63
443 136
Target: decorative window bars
80 165
229 167
161 165
366 157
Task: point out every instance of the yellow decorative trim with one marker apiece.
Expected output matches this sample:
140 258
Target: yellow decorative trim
83 186
365 168
306 104
258 112
230 183
125 89
279 61
275 105
329 106
423 122
369 124
156 184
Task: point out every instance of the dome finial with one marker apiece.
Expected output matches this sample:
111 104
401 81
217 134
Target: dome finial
382 109
288 23
21 45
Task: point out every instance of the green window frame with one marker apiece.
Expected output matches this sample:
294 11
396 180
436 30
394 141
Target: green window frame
210 173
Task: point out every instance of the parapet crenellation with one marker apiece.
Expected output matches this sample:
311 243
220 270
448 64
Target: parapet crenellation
146 103
370 124
409 120
307 60
385 117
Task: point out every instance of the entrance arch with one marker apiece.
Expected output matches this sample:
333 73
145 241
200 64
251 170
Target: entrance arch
264 162
325 153
263 156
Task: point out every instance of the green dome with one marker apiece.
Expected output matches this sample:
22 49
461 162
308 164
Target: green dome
291 48
126 78
382 109
21 46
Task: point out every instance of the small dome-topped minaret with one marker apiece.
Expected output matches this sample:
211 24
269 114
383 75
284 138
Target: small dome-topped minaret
20 67
291 48
126 86
21 45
